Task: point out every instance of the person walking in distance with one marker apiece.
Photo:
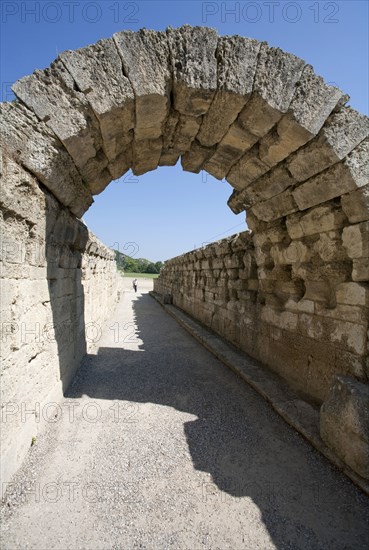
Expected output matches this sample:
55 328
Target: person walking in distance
135 285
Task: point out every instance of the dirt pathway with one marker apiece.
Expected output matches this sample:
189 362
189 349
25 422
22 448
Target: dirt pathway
158 445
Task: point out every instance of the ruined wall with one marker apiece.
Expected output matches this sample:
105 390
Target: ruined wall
253 291
58 285
296 155
216 284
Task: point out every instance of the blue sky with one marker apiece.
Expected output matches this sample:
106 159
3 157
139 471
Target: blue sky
167 212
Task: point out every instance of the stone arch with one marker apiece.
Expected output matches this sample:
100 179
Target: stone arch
232 106
296 155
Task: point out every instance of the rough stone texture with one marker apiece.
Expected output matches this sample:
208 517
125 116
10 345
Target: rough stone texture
344 423
194 73
145 57
275 80
58 284
194 68
307 325
179 133
33 145
356 204
237 61
98 73
296 156
351 173
52 97
246 170
271 184
343 131
311 104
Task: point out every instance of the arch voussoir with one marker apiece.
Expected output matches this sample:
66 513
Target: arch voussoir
98 73
51 95
31 143
194 84
294 292
145 57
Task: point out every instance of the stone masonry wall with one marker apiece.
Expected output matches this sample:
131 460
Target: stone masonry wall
216 284
296 155
252 290
58 285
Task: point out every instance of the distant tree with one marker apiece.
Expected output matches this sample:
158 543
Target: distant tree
151 268
158 266
136 265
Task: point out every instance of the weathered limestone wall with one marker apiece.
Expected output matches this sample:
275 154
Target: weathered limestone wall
253 290
58 285
218 285
296 155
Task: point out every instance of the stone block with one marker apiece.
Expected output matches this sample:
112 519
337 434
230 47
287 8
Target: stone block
329 247
146 155
360 269
229 150
145 57
51 94
276 207
33 144
311 104
178 135
317 220
342 132
355 239
344 423
314 100
349 336
96 69
274 86
343 312
356 204
296 252
246 170
319 291
341 178
353 294
194 159
193 89
271 184
237 60
286 319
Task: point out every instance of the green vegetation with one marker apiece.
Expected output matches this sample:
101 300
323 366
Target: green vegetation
141 275
135 267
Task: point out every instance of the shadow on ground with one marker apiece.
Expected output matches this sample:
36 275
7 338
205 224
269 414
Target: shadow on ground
237 438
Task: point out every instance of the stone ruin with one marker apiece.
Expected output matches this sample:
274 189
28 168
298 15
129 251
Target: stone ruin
293 292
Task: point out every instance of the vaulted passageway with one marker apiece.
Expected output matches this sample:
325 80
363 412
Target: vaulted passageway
157 444
295 153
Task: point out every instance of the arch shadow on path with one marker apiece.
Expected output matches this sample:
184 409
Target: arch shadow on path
237 438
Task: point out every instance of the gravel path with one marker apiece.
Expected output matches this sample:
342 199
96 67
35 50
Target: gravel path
158 445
